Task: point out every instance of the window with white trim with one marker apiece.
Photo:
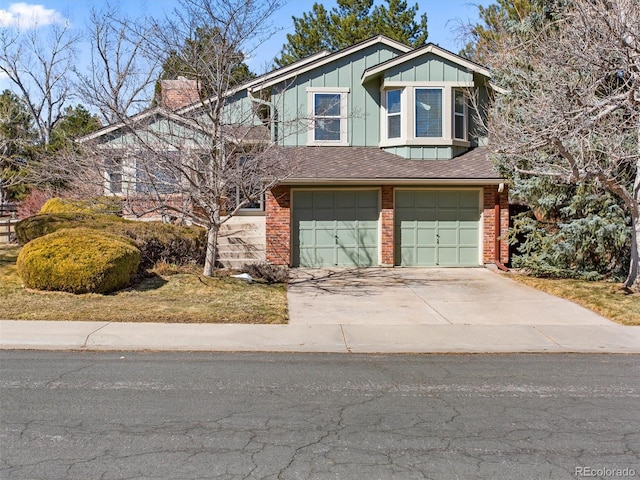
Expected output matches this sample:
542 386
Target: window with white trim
428 117
328 112
113 173
394 113
459 115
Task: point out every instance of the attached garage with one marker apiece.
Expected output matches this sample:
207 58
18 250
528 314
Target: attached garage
335 228
437 227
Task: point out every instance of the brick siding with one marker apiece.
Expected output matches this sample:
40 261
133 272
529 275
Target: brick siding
387 220
278 225
488 242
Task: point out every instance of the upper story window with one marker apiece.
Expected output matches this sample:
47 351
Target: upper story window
328 111
459 115
428 117
424 114
394 113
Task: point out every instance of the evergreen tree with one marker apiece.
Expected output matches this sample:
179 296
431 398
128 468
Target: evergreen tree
17 137
75 122
352 21
501 19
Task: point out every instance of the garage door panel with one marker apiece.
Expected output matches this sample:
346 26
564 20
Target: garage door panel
469 200
425 236
425 199
324 237
437 227
468 255
470 216
447 237
321 200
448 256
468 237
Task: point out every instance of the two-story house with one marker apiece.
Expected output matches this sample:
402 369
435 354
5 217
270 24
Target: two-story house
391 169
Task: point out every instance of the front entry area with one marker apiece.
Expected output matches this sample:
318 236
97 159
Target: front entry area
437 228
335 228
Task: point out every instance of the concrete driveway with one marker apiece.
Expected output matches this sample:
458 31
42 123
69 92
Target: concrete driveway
425 296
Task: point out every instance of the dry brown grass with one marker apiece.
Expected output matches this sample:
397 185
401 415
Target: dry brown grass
170 295
608 299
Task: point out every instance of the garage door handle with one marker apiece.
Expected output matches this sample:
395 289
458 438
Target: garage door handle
336 237
437 239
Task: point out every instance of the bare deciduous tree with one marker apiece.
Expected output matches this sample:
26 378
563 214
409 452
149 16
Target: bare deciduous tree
38 62
122 72
571 104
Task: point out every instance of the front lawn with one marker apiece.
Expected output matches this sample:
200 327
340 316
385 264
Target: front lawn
179 297
605 298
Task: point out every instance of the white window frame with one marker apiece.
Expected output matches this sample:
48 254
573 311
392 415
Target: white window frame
401 114
311 95
463 115
443 114
408 115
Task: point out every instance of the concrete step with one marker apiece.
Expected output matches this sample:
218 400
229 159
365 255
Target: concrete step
241 240
238 263
240 254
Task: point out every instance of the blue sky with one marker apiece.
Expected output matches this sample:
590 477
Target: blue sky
443 17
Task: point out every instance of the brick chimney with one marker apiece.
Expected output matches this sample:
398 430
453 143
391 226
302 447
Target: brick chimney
175 94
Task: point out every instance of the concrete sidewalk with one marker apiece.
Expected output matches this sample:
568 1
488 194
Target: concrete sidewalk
331 338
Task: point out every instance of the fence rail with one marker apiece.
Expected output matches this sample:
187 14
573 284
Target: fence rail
7 230
8 209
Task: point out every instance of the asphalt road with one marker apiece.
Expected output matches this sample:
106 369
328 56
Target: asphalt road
312 416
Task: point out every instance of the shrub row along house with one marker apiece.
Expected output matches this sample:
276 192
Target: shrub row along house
384 164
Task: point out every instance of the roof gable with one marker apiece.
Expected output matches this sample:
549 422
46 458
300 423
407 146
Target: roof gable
327 59
137 119
428 50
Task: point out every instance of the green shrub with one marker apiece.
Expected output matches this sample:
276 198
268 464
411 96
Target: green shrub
156 241
78 260
99 205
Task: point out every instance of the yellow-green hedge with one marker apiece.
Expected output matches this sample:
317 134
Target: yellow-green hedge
104 205
156 241
78 260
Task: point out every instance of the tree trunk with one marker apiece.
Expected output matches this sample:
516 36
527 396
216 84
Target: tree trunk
633 282
212 249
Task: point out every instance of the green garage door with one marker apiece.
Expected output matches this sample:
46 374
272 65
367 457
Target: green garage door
437 228
335 228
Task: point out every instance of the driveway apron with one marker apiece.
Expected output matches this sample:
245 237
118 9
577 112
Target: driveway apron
425 296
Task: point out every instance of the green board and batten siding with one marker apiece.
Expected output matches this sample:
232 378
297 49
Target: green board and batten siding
437 227
363 101
434 69
335 228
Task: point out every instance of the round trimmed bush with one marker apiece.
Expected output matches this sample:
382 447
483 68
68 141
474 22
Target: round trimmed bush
78 260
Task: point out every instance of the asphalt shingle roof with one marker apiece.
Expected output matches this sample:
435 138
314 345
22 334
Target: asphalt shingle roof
366 164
